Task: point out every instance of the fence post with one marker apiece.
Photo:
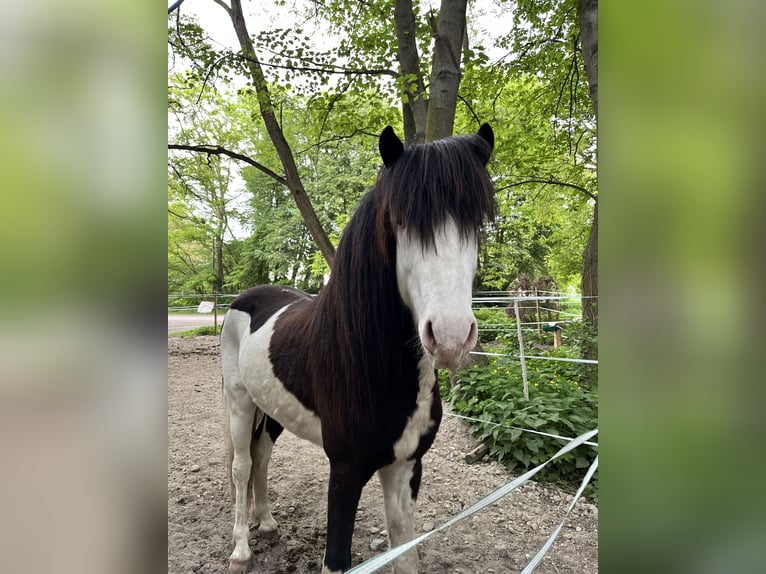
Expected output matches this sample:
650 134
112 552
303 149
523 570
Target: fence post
537 312
521 348
215 313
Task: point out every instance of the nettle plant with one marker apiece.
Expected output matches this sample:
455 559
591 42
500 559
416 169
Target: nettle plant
558 404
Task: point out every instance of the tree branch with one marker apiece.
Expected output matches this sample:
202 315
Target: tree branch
277 136
189 189
175 5
213 66
178 215
317 67
470 108
579 188
337 138
186 259
218 150
223 5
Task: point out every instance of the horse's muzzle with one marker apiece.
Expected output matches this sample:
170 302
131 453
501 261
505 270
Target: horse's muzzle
447 343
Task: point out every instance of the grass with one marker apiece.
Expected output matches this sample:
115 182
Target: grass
197 332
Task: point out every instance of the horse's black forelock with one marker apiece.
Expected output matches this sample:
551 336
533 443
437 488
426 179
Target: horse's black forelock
431 182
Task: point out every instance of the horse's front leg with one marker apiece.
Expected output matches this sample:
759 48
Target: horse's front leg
346 483
241 428
401 482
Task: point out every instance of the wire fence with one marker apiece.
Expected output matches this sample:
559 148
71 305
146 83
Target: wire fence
179 302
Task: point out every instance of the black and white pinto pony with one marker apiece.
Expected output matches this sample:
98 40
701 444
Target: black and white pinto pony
354 369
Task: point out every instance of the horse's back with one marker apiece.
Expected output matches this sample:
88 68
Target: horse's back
246 315
260 303
255 363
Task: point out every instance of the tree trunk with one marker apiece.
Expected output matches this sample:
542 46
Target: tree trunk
446 72
219 263
587 14
414 102
589 285
294 183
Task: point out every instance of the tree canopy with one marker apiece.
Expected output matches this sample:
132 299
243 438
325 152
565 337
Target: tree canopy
274 140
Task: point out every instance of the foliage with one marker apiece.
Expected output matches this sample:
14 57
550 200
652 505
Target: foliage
336 174
202 196
582 336
334 97
493 322
563 398
557 404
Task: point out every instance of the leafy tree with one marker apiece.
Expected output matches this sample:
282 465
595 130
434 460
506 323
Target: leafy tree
189 258
558 40
337 172
200 195
330 103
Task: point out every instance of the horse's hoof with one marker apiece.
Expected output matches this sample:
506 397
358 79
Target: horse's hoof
239 566
268 533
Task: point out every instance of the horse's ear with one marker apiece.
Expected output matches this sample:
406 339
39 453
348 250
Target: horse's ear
390 146
485 132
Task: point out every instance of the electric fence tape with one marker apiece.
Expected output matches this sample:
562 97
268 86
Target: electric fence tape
377 562
492 423
563 359
544 548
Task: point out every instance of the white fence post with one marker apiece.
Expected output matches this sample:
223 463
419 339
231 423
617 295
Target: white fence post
521 348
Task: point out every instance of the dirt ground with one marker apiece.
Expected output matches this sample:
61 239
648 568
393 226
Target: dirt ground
498 540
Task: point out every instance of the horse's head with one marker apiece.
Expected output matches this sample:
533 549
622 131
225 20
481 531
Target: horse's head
435 198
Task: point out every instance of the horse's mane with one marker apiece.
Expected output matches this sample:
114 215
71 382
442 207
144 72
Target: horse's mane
365 339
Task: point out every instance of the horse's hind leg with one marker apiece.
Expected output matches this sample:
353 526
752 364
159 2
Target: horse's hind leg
261 448
241 414
401 482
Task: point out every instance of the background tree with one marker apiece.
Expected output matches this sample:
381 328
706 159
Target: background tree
558 40
587 13
378 67
200 189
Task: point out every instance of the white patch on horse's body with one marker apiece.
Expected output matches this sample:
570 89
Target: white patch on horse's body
419 422
265 388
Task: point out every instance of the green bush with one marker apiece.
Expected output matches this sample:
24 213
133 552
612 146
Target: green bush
190 301
557 404
493 322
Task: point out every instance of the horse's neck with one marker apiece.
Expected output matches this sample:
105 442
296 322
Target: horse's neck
365 309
